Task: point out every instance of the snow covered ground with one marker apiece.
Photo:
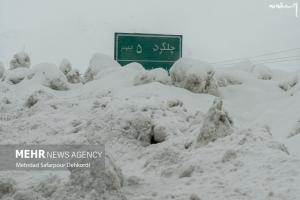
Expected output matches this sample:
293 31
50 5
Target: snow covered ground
164 138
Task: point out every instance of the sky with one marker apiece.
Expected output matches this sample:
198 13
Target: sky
213 30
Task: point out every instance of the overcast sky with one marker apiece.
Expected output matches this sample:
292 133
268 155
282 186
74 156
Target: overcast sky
212 30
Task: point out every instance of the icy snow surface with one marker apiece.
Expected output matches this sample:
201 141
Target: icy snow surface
153 131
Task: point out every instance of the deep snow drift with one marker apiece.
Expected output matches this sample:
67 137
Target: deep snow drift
200 133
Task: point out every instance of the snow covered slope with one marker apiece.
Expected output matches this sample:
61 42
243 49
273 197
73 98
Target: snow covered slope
151 135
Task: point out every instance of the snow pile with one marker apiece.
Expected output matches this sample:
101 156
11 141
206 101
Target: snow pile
119 77
18 69
143 124
96 181
154 75
140 127
195 197
73 76
131 71
2 69
237 156
186 171
19 60
152 130
295 129
289 83
49 187
262 72
194 75
43 190
50 76
36 97
217 123
17 75
5 100
259 70
46 74
225 78
295 90
147 123
245 65
99 64
65 66
7 187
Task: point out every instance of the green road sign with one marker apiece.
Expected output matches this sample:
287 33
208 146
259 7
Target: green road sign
150 50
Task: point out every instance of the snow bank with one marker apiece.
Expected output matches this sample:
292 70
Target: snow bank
194 197
96 180
217 123
262 72
226 78
154 75
99 63
2 69
46 74
17 75
143 121
73 76
26 195
259 70
7 187
236 156
35 97
295 90
141 127
131 71
289 83
245 65
135 66
65 66
295 130
149 129
19 60
132 74
194 75
119 77
48 186
50 76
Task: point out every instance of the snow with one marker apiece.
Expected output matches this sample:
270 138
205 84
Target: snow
154 75
289 82
96 180
99 63
17 75
65 66
225 78
50 76
295 130
245 65
194 75
259 70
2 69
262 72
217 123
7 186
163 140
73 76
20 59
